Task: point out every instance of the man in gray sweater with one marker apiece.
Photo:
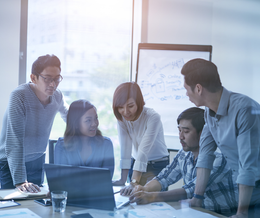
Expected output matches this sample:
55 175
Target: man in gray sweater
27 124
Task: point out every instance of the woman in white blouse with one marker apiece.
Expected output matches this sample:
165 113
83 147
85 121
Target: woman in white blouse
143 150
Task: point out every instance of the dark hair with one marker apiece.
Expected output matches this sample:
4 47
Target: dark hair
196 115
72 132
200 71
125 91
45 61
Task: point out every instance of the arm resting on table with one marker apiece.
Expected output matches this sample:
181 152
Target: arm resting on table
201 184
245 194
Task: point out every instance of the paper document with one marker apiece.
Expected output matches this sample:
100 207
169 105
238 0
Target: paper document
152 210
6 194
191 213
97 213
18 213
162 209
4 204
117 189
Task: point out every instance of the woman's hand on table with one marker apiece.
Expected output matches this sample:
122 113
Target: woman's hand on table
127 190
131 189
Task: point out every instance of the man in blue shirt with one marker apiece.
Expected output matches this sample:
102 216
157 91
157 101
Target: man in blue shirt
221 193
232 125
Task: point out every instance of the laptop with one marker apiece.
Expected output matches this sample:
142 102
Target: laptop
88 187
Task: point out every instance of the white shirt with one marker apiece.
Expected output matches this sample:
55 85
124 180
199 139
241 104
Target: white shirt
143 139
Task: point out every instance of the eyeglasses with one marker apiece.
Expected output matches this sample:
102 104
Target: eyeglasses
49 80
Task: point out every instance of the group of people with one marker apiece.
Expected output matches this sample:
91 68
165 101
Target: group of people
227 181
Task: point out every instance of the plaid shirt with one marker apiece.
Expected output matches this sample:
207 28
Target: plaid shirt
221 194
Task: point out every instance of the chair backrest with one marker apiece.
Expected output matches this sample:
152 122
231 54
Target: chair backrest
52 144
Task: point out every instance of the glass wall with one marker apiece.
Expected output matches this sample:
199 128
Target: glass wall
93 41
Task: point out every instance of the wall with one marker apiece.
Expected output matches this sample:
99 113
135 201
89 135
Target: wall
9 52
231 27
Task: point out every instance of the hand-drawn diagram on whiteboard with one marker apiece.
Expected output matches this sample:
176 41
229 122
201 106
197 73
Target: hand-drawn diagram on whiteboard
164 81
160 79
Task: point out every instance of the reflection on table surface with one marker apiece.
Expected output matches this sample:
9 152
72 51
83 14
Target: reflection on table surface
48 212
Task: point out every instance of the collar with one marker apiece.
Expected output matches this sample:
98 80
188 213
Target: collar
192 157
223 104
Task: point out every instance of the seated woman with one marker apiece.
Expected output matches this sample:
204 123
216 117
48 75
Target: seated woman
83 143
143 150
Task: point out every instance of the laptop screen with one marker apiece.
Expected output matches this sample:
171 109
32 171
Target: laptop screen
86 186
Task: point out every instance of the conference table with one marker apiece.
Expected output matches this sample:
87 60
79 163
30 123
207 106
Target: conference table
46 212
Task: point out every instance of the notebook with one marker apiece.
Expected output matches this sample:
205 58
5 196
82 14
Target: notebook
6 194
86 186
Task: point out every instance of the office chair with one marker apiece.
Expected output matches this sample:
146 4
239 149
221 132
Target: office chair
52 144
172 150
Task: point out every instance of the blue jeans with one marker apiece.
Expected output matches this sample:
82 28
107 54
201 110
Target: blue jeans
34 171
152 170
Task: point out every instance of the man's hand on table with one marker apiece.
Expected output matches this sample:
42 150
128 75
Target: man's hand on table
138 188
142 197
194 202
28 187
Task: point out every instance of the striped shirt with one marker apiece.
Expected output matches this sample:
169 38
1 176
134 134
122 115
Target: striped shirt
26 128
221 194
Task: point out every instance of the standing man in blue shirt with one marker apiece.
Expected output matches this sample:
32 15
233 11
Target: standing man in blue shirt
232 125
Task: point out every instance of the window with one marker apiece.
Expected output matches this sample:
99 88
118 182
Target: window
93 41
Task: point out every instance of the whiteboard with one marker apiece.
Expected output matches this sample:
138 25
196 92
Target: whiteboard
159 77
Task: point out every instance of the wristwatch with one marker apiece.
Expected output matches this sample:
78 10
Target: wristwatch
134 182
201 197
